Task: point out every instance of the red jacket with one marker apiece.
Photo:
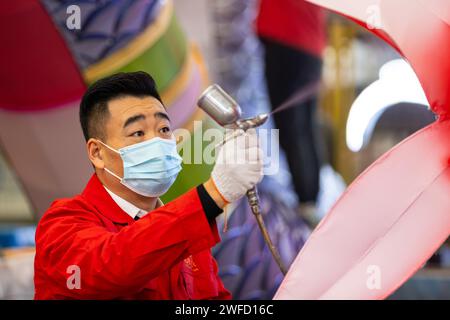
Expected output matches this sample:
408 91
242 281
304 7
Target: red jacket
164 255
296 23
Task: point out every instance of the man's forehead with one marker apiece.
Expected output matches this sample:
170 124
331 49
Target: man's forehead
122 108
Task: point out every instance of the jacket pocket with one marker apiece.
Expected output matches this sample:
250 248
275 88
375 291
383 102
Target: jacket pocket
199 278
200 286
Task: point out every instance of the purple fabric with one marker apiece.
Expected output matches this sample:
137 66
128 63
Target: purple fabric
106 26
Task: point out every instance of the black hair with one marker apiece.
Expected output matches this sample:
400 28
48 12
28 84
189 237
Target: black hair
94 104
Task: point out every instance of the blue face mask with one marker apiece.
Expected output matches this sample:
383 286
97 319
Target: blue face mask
149 167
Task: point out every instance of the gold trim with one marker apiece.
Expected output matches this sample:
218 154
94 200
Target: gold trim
199 61
179 84
134 49
198 58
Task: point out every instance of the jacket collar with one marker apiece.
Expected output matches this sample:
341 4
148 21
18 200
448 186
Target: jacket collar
125 205
128 207
96 194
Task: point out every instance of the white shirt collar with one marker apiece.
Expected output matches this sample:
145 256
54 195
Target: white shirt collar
128 207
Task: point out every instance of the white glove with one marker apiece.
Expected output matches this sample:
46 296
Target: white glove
239 166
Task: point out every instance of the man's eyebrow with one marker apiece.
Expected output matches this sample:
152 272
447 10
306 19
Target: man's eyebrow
134 119
161 115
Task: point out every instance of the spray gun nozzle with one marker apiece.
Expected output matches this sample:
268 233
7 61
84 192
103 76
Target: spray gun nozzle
254 122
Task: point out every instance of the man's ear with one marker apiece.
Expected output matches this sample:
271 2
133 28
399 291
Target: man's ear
94 151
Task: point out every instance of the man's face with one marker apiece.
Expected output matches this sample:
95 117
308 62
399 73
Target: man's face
131 120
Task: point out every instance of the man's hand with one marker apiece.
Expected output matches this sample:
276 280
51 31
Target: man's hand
238 168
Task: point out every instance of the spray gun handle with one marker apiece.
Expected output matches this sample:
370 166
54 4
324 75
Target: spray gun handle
226 112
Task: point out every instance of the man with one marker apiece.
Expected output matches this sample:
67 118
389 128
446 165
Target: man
116 240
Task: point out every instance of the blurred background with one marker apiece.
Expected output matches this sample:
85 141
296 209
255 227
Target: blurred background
360 99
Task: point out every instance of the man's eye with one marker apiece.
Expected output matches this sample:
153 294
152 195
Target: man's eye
165 130
139 133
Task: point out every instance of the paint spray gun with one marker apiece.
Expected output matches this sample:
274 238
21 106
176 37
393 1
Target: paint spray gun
226 112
